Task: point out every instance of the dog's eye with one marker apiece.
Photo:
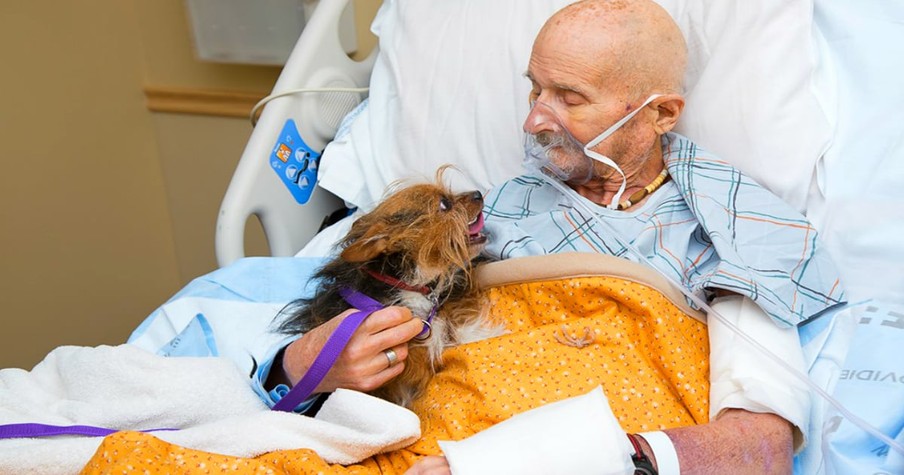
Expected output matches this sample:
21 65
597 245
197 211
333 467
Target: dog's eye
445 204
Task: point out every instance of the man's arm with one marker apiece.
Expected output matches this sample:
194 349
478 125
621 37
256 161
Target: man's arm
742 376
738 441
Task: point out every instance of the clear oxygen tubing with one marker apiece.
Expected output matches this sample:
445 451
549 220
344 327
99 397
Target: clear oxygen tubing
616 199
578 201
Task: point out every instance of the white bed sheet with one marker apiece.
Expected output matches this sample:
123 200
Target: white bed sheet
859 206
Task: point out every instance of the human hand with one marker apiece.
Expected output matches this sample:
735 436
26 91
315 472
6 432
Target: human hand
433 465
362 365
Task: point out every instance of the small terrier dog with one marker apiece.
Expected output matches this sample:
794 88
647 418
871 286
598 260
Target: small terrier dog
415 249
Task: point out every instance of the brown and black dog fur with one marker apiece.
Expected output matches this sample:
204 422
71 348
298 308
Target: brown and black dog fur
427 237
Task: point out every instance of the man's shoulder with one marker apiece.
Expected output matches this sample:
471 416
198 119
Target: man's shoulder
709 183
677 148
689 163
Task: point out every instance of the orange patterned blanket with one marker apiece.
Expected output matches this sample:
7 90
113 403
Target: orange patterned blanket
574 322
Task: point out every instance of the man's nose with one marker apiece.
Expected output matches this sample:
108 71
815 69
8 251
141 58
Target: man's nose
539 119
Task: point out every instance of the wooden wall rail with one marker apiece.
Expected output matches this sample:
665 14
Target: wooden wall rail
201 101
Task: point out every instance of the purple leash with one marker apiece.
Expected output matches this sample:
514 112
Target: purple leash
331 350
32 429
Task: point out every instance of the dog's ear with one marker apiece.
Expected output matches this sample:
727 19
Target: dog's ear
371 244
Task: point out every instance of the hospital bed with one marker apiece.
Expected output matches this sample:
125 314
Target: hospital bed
801 95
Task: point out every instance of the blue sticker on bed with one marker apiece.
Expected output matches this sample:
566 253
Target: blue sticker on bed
295 163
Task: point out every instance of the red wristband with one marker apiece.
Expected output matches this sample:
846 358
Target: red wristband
642 464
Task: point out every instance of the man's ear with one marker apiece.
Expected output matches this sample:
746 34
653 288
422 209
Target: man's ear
668 108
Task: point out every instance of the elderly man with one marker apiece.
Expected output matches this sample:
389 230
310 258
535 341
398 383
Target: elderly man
606 95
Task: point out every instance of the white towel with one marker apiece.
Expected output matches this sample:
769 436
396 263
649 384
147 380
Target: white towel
574 435
208 399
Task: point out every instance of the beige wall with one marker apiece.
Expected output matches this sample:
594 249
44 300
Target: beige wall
106 209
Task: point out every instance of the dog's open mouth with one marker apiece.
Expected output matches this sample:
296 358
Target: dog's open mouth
474 227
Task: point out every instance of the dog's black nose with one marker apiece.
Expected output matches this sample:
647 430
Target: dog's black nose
476 196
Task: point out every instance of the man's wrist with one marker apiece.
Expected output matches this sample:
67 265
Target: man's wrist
661 451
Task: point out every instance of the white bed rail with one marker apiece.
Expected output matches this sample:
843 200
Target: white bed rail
317 61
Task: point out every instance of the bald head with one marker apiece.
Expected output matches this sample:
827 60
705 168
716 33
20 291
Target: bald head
632 45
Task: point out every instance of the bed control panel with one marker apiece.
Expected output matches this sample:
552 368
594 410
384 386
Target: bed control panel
295 163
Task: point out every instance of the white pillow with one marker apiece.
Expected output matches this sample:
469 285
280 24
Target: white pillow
447 87
751 93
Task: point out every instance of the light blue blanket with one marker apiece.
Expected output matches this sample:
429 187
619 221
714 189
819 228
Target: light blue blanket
229 313
855 357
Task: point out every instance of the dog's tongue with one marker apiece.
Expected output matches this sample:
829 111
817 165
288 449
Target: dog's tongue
477 226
